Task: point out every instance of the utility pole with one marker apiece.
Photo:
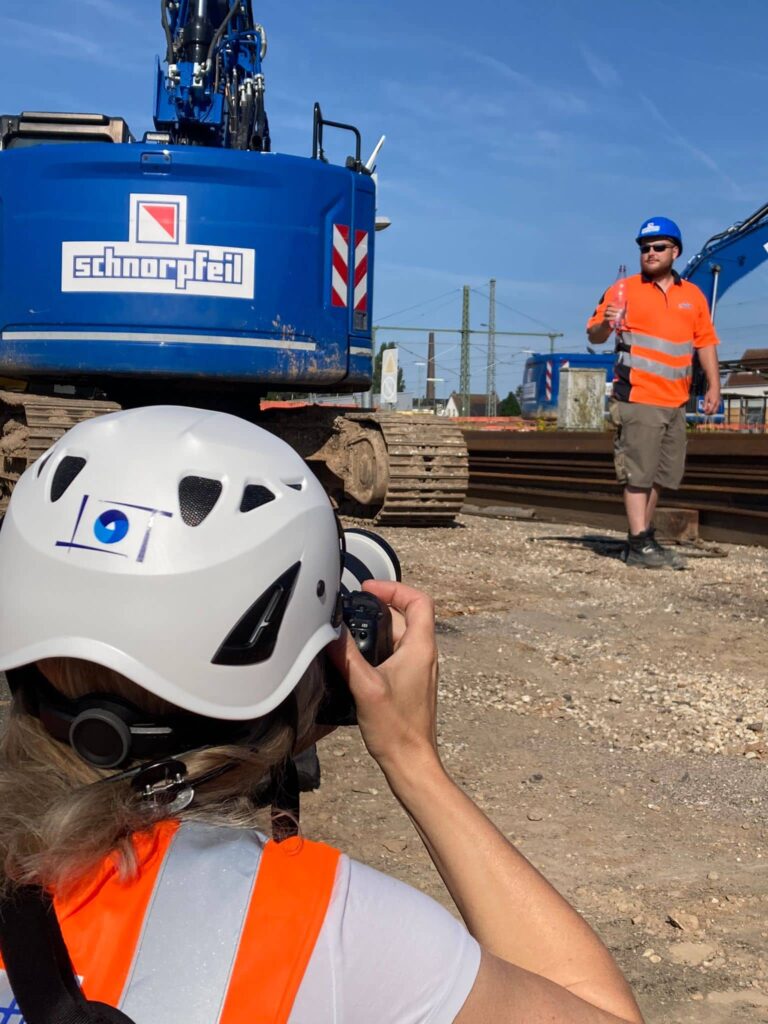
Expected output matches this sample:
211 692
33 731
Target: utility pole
465 332
431 371
419 366
464 375
490 383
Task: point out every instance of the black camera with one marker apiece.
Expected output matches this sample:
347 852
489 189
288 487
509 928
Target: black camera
365 556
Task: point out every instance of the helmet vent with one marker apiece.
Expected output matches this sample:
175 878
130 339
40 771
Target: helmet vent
295 485
66 471
254 496
42 462
254 637
197 496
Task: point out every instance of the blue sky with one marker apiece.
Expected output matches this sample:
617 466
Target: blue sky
525 141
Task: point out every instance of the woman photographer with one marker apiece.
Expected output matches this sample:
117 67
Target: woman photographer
169 585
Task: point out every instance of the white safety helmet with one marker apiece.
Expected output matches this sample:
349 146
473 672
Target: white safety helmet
191 551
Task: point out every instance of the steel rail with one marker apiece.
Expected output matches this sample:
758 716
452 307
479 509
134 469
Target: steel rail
570 477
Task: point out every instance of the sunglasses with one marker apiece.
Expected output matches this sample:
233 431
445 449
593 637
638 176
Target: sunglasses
660 247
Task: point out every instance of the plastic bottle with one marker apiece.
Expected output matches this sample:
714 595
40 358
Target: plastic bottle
618 297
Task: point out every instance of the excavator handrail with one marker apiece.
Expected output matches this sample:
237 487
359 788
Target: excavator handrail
320 122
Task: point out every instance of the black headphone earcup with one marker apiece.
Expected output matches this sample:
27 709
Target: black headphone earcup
101 737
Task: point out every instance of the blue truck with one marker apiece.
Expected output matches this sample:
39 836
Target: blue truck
541 379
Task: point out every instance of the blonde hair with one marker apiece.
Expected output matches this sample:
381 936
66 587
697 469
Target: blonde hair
56 827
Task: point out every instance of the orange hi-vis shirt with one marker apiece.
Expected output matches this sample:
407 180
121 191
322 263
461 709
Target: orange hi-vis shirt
216 926
654 348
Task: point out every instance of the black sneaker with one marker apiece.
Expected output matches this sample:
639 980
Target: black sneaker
673 560
644 553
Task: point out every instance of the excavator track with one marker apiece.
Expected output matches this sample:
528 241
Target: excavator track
428 469
396 469
392 468
30 424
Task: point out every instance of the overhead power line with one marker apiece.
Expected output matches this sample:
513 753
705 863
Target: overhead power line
418 305
519 312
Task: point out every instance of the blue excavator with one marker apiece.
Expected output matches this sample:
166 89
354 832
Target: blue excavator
196 266
722 261
728 256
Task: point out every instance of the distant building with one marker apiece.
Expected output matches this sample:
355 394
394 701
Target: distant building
755 360
745 396
478 405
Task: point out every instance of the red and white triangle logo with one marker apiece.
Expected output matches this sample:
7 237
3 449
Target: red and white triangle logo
158 222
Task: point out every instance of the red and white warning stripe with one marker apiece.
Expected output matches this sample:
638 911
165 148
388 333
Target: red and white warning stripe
361 271
548 381
340 266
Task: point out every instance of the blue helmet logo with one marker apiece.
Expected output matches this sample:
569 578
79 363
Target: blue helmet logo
659 227
111 526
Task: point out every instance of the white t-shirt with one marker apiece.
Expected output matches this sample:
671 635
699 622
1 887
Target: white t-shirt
386 954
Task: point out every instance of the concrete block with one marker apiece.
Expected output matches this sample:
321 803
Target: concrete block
581 400
678 524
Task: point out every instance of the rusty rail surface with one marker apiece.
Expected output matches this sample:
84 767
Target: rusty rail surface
569 477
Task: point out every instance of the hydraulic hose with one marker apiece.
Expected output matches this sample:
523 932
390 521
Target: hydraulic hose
167 30
221 30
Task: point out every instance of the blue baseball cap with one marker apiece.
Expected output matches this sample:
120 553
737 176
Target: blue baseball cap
660 227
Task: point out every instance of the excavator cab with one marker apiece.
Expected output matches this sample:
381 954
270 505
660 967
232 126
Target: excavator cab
36 127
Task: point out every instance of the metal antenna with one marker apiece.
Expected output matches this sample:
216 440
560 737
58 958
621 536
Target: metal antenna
370 163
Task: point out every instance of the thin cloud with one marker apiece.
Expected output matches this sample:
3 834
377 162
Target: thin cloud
699 154
28 34
561 100
111 9
713 68
603 72
55 42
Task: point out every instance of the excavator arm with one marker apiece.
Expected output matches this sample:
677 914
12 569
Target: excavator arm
211 90
729 256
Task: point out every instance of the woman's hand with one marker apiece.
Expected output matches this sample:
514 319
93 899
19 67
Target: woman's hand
397 700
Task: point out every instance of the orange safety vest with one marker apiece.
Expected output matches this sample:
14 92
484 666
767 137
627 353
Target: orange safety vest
216 928
654 348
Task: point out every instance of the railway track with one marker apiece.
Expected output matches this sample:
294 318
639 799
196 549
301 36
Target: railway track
569 477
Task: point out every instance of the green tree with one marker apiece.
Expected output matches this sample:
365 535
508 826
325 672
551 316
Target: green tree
377 370
510 406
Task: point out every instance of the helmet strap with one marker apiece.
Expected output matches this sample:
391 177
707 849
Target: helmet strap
38 964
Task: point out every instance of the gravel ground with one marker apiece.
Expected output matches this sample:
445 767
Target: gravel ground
614 723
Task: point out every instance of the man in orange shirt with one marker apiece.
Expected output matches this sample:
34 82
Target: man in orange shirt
660 322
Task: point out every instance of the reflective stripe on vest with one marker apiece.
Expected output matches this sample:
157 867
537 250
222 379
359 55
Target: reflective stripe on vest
633 339
192 928
225 932
636 362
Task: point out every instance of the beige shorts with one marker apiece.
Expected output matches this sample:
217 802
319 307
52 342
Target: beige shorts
649 444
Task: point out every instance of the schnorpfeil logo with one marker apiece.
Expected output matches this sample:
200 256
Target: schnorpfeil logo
118 528
157 258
